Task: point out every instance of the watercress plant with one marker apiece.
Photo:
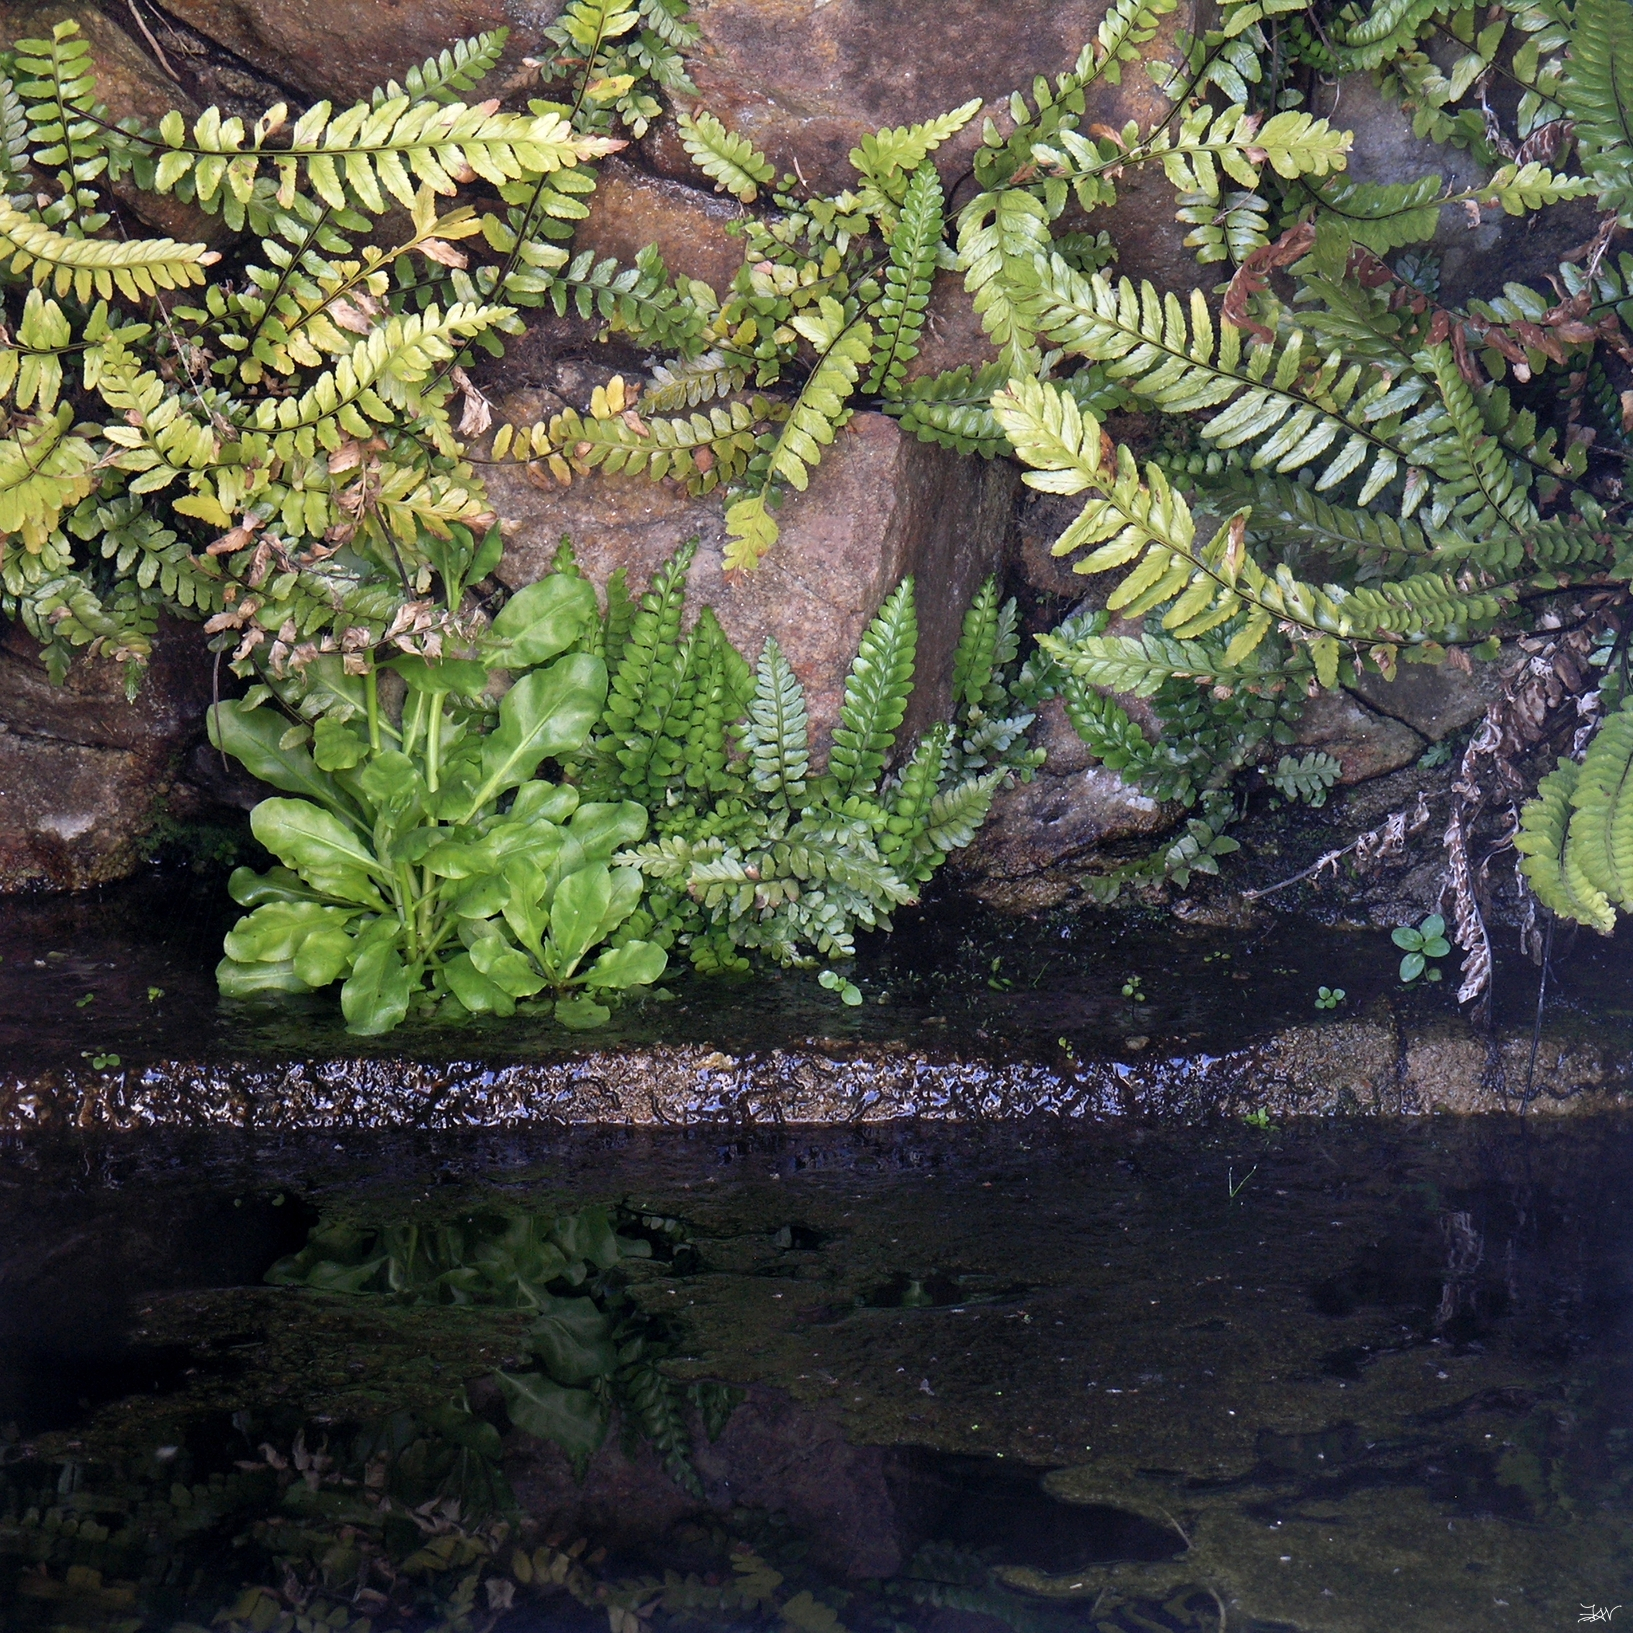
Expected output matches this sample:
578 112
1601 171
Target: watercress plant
421 858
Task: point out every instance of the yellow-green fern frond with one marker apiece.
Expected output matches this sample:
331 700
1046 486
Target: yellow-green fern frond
88 267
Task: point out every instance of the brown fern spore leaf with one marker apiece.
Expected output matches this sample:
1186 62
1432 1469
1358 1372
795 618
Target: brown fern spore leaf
1253 275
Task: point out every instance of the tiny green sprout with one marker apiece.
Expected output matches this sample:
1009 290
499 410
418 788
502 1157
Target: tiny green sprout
99 1061
999 983
1066 1048
1132 990
1329 997
1257 1119
849 992
1209 958
1427 941
154 994
89 998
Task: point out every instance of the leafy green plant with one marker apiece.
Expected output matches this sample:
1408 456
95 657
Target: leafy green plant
1577 834
833 981
1421 944
753 847
422 855
1329 997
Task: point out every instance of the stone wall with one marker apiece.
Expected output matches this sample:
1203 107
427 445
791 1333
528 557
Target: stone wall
81 770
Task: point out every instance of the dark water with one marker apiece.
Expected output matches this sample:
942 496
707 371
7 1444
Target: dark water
129 971
1329 1376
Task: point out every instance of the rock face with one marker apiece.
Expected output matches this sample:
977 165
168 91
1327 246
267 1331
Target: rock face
343 51
1366 744
805 80
81 768
632 209
1041 834
881 506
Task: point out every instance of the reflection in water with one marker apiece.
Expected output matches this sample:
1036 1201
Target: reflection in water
899 1380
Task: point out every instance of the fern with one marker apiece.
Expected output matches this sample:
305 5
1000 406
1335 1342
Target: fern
876 693
1552 860
446 76
731 162
845 346
899 311
1598 95
775 736
953 409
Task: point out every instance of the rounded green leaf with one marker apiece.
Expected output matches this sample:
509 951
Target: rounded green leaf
541 620
325 851
247 980
547 712
323 956
572 1340
635 964
375 997
474 990
441 675
505 967
1406 938
543 802
1412 966
1432 926
577 911
1436 947
255 738
603 829
335 746
582 1014
276 931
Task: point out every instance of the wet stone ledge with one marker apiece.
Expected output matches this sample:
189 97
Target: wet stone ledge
1369 1066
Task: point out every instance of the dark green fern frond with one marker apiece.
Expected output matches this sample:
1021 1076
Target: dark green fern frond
876 693
447 76
1597 91
776 738
899 311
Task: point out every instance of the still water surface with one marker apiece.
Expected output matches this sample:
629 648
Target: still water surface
1327 1376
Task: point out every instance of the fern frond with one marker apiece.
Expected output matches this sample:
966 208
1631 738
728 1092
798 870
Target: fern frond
89 267
1551 863
1126 26
1389 28
955 813
887 158
1001 236
776 738
702 450
16 178
876 693
460 67
43 472
686 382
953 409
976 655
730 161
362 157
843 351
1597 91
899 311
1139 665
1601 837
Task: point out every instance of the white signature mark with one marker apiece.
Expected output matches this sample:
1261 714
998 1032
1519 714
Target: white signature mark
1597 1613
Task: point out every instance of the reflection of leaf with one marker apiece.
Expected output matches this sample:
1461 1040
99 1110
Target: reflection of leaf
572 1418
572 1340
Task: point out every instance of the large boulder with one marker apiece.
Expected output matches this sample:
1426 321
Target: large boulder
82 769
880 506
342 51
